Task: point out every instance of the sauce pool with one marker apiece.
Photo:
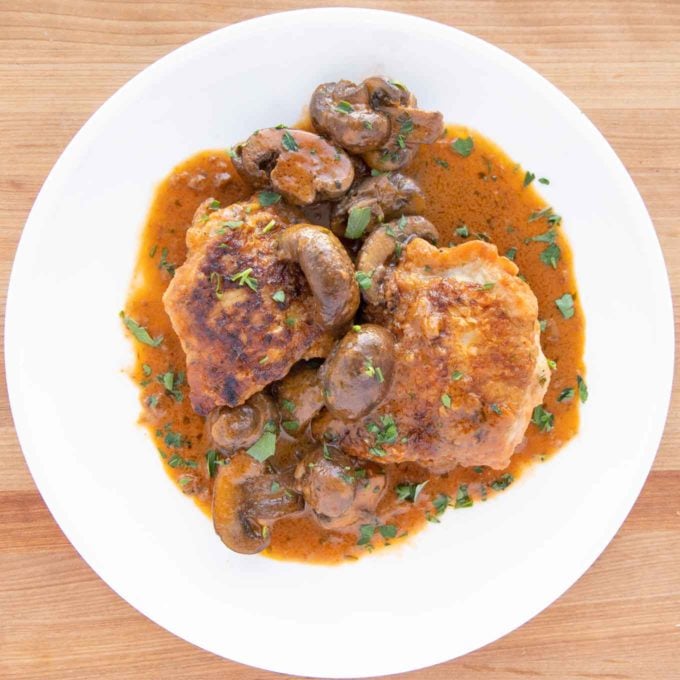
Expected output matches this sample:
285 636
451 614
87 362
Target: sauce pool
482 195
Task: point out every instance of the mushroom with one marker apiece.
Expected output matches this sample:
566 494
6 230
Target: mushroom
343 112
240 427
299 397
340 490
327 268
378 118
357 374
247 502
385 242
303 167
383 196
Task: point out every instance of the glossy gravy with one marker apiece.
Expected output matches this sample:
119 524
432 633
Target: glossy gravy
482 195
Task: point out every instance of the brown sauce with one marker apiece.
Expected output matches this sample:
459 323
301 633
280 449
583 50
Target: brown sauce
482 195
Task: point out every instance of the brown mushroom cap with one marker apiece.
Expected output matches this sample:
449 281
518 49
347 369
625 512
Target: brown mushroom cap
342 111
357 374
327 268
384 196
236 428
246 503
340 490
303 167
382 244
299 396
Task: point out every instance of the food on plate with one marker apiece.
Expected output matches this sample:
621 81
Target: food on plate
346 327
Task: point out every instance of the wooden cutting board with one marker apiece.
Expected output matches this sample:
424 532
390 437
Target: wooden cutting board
618 60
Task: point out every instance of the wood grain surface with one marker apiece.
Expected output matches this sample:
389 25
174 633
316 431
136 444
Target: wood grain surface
618 60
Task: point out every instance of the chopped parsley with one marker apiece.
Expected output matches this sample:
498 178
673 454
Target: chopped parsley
387 530
164 264
566 394
357 222
172 381
463 499
288 142
212 460
544 420
267 198
279 296
463 147
288 405
551 255
503 482
366 532
265 446
456 376
440 503
290 425
445 400
386 432
548 237
409 491
496 409
463 231
510 253
544 180
582 389
364 280
176 461
139 332
529 177
244 278
344 106
566 305
442 163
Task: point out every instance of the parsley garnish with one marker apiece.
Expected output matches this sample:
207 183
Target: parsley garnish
364 280
176 461
551 255
344 107
288 142
543 419
529 177
212 460
510 253
267 198
265 446
164 264
386 432
290 425
409 491
244 278
214 204
463 231
445 400
566 305
503 482
463 147
544 180
582 389
441 162
566 394
279 296
456 375
139 332
366 532
357 222
387 530
440 503
463 499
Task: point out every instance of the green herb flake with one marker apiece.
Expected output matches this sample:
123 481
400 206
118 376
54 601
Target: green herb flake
290 425
463 231
344 106
152 251
387 530
139 332
357 222
269 226
544 420
244 278
544 180
146 369
366 532
212 459
488 286
463 499
510 253
288 142
495 408
409 491
279 296
456 376
214 205
463 147
529 177
267 198
265 446
364 280
566 305
582 389
503 482
290 321
542 324
442 163
445 400
540 214
440 503
152 401
551 255
566 394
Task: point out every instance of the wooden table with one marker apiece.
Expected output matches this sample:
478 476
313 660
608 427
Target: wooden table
618 60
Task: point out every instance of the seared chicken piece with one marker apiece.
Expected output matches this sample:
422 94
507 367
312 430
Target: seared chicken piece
244 316
468 362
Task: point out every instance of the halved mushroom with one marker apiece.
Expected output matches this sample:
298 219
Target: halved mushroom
385 242
340 490
240 427
299 397
303 167
247 502
357 374
384 196
343 112
327 268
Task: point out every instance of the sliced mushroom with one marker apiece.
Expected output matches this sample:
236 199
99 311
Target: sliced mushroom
247 502
340 490
300 397
303 167
383 243
384 196
343 112
240 427
328 270
357 375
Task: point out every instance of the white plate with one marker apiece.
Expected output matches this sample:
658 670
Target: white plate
454 587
